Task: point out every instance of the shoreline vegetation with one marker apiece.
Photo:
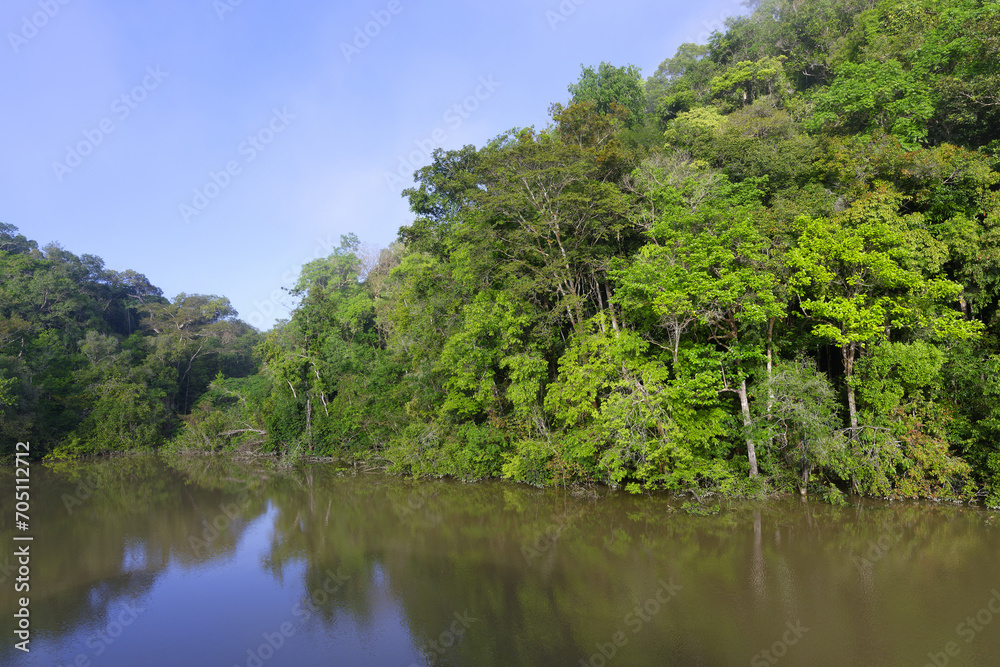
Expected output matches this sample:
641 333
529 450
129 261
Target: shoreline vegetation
771 266
699 501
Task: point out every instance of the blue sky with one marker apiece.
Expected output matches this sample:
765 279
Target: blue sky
217 145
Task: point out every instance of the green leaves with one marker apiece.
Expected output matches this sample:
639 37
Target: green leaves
583 304
748 80
609 86
870 96
706 267
797 422
125 416
625 411
851 277
493 333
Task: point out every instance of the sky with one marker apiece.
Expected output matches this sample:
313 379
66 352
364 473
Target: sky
217 145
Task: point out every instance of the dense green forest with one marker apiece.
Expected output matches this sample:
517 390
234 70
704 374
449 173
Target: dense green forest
773 264
94 360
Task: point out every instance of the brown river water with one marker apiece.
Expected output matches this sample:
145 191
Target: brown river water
149 561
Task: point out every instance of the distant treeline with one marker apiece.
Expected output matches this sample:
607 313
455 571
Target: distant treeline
93 360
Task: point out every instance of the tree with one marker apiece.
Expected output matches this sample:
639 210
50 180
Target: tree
849 276
630 417
608 86
446 189
329 377
707 267
186 333
679 83
549 215
797 421
15 244
744 82
876 96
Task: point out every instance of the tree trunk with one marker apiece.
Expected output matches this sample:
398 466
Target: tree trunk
805 470
309 421
852 407
611 307
770 364
747 423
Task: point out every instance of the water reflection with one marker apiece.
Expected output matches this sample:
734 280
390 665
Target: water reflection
201 561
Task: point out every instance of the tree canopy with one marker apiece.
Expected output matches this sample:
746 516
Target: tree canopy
774 264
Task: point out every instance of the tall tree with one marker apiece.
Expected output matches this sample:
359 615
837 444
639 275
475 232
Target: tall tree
609 86
850 276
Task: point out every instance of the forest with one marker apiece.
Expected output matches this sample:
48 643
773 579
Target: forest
773 265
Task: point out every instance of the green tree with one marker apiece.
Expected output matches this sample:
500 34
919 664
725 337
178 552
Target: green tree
850 277
608 86
706 271
679 83
796 420
630 417
876 96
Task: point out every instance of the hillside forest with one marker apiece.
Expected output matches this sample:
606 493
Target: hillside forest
771 265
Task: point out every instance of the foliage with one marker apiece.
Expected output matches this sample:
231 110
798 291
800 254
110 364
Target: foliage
609 86
773 265
94 360
797 422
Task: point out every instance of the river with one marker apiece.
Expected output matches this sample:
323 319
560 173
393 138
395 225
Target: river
149 561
